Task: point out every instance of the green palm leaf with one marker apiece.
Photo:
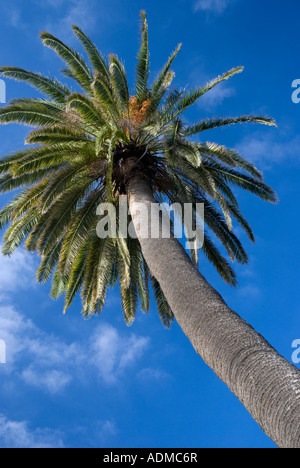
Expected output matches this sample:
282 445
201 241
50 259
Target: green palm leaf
142 69
78 67
49 87
96 58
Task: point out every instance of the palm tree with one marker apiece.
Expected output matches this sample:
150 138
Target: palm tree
98 141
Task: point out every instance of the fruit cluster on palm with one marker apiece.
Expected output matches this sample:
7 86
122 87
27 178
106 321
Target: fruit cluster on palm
79 157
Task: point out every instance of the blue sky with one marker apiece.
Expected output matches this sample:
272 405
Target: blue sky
69 382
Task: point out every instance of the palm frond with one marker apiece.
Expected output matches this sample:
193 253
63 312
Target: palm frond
219 262
142 69
49 87
209 124
31 112
83 222
158 83
192 97
56 134
78 67
164 310
56 220
19 230
241 180
48 263
119 80
76 274
95 57
86 109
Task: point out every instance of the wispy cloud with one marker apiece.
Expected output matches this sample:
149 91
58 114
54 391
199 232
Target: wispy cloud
113 354
11 14
53 380
17 271
60 15
250 291
46 361
216 96
268 149
104 430
55 15
50 364
153 374
77 12
14 328
38 359
16 434
213 6
99 433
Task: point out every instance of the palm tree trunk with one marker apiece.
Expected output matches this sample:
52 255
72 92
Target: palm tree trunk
266 383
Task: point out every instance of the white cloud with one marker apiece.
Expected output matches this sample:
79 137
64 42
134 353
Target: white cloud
199 78
45 361
113 354
17 271
50 364
69 12
14 328
215 6
11 14
270 148
53 380
251 291
98 433
79 13
50 351
216 96
16 434
153 374
58 15
105 429
39 359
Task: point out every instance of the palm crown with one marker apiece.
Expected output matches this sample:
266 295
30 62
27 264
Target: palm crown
77 160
